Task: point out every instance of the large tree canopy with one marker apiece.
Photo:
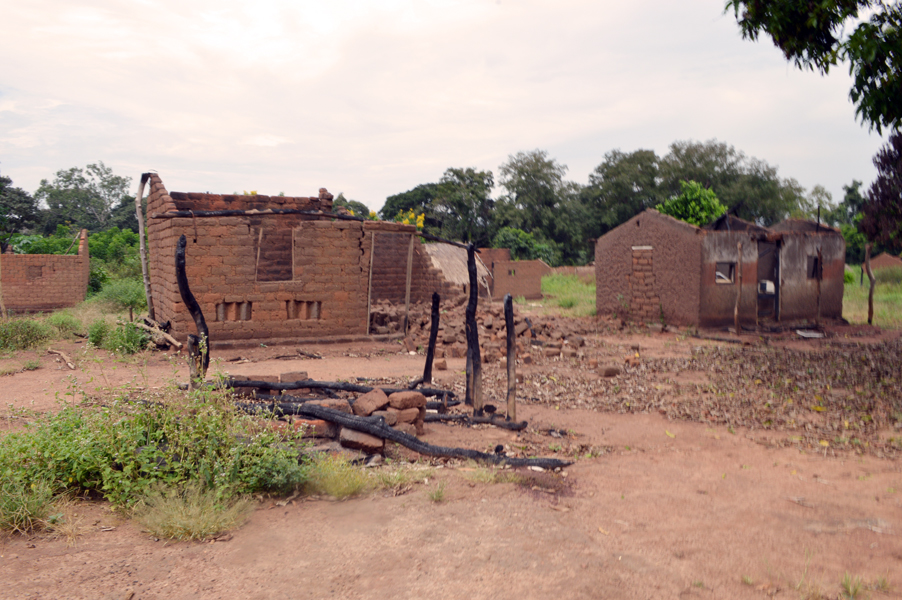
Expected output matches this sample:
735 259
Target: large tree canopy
86 198
882 221
18 210
817 35
464 207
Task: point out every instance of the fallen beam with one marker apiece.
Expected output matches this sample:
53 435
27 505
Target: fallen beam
471 420
376 426
328 385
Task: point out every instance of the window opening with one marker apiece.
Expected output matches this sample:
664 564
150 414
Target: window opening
724 272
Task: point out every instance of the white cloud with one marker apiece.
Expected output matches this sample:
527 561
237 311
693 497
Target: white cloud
374 98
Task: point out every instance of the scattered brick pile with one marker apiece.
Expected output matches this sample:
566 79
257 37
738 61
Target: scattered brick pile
405 411
549 335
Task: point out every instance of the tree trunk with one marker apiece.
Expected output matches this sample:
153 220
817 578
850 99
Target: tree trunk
474 359
511 358
139 213
872 279
201 342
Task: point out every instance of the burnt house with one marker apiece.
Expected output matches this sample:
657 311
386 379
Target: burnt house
655 267
280 269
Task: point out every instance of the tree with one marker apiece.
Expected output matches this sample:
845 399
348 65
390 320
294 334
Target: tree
540 202
419 199
622 186
813 35
463 206
86 198
882 213
358 208
18 211
523 246
695 204
749 187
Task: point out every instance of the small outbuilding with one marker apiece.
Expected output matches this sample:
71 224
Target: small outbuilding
656 268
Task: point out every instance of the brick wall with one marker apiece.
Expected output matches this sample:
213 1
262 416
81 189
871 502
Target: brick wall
519 278
36 282
301 277
645 305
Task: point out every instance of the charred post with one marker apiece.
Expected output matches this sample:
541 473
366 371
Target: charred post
474 360
872 279
511 358
433 336
199 345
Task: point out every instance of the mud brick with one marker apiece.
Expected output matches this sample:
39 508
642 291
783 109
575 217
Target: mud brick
405 400
333 403
317 428
406 415
360 441
408 428
391 417
370 402
293 376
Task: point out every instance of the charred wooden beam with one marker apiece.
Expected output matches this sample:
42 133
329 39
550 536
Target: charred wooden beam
433 337
511 358
376 426
474 359
471 420
328 385
199 345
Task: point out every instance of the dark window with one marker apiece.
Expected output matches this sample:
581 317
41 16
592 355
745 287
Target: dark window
814 267
724 272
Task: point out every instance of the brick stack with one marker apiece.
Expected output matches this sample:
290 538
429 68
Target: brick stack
35 282
645 305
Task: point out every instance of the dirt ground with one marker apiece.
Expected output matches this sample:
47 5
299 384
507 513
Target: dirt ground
677 489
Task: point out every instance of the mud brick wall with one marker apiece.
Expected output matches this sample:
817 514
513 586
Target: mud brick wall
718 300
390 267
519 278
277 277
36 282
645 305
676 266
798 291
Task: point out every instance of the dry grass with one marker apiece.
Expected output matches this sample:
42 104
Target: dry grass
887 302
335 476
190 513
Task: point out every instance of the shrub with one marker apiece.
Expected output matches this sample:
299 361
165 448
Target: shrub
21 334
125 450
97 332
125 294
848 276
126 339
97 277
65 322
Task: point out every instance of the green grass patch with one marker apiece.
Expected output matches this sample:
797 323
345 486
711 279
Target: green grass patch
65 323
569 293
887 304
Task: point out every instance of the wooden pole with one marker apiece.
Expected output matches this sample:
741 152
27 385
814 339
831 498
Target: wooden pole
872 279
433 336
736 323
259 247
139 213
818 274
474 360
511 358
2 305
369 285
407 285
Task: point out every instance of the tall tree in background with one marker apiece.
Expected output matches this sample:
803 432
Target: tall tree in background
818 35
18 211
86 198
622 186
749 187
464 207
539 201
882 220
419 199
695 204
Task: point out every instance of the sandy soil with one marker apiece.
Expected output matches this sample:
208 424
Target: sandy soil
654 507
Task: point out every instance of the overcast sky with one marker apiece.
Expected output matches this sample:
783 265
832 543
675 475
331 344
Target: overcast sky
374 97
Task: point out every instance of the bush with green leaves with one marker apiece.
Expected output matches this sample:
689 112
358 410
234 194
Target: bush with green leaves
65 323
125 294
126 339
126 449
695 204
524 246
22 334
848 276
97 332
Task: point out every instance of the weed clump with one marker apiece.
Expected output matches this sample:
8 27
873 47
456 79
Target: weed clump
22 334
191 512
335 476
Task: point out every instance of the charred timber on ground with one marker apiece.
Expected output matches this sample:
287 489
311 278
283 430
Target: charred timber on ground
472 420
377 427
328 385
